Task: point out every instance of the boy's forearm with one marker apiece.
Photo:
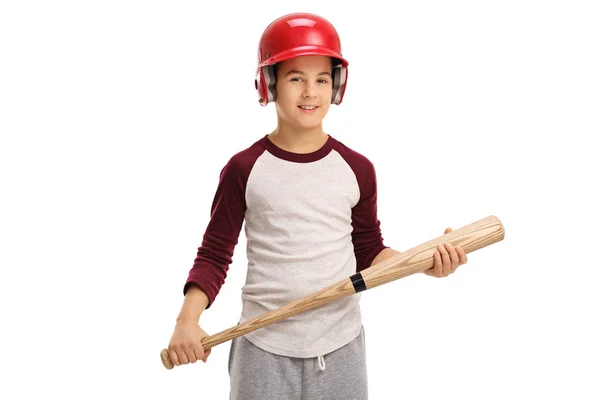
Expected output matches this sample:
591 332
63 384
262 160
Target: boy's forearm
194 303
384 255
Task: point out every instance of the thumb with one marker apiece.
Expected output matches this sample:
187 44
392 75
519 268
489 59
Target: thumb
206 354
448 230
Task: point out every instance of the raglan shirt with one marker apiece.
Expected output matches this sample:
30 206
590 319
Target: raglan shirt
310 221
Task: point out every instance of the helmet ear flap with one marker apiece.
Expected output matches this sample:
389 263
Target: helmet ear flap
265 85
340 75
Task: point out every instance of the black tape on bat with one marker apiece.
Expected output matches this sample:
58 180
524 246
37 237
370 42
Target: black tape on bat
358 282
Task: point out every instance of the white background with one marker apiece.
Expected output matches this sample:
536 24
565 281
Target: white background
117 116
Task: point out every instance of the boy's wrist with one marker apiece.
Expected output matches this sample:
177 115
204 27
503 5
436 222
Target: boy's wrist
194 304
185 320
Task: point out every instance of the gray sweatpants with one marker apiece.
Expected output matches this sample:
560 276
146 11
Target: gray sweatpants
259 375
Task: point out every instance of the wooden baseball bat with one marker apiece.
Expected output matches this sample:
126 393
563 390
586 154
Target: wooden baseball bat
471 237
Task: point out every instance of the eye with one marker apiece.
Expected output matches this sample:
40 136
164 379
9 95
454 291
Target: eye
295 79
323 81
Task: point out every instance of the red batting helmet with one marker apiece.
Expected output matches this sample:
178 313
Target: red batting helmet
294 35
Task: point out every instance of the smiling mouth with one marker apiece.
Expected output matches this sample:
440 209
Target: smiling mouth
308 108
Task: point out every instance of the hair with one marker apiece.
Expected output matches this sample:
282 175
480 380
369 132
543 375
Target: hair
334 62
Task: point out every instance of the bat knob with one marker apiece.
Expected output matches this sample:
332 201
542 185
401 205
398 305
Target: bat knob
164 356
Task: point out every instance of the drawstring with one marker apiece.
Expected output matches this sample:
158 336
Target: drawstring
321 363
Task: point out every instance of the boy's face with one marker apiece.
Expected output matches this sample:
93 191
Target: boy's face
304 89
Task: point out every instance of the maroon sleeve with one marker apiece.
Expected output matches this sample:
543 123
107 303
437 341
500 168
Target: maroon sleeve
222 233
366 232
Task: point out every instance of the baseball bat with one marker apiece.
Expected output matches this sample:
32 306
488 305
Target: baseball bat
471 237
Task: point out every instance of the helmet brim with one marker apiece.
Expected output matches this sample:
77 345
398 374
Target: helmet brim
303 51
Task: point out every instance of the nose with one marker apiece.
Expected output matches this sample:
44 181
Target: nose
310 90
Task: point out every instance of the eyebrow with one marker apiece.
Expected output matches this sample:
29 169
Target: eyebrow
296 71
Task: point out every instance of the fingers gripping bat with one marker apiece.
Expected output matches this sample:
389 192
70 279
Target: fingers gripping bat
471 237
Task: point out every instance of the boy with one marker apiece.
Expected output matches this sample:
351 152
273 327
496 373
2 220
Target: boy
310 207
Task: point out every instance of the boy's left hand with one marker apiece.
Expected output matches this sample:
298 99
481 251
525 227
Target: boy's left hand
446 259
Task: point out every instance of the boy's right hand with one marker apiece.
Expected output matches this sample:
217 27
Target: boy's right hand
186 344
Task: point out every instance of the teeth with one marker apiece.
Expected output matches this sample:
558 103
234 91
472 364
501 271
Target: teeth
308 107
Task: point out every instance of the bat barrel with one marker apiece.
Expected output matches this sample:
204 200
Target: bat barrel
472 237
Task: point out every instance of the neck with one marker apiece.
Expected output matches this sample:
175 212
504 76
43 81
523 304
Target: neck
297 140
